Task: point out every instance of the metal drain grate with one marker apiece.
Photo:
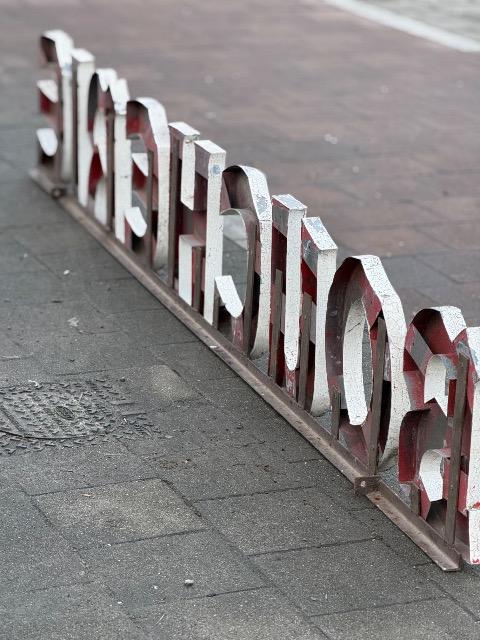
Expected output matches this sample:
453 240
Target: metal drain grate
66 414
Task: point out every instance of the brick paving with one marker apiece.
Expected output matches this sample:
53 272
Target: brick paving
199 479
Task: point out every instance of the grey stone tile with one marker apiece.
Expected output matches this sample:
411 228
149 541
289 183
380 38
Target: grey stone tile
22 525
245 615
36 288
118 513
157 387
462 586
56 238
408 272
15 257
459 266
80 352
82 612
158 326
117 296
237 398
8 172
146 573
194 361
192 427
22 322
221 471
427 620
240 401
347 576
88 264
17 145
284 441
21 370
11 351
23 204
333 484
33 554
464 296
48 564
383 529
282 520
63 469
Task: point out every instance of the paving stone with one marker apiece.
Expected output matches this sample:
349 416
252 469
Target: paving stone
226 471
11 351
465 208
56 238
367 214
287 443
79 612
22 525
459 266
118 513
463 587
158 326
383 529
36 288
15 258
156 387
246 407
20 322
194 361
17 146
21 370
410 272
8 172
60 469
182 440
428 620
87 264
117 296
33 554
244 615
413 301
50 564
24 104
23 203
342 577
391 241
461 236
464 296
196 426
146 573
289 519
80 352
236 397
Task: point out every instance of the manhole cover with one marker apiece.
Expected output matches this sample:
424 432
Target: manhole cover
51 414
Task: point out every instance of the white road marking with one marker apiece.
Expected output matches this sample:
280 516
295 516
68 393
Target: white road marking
408 25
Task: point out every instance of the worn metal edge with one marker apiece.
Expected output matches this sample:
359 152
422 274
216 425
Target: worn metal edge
419 531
